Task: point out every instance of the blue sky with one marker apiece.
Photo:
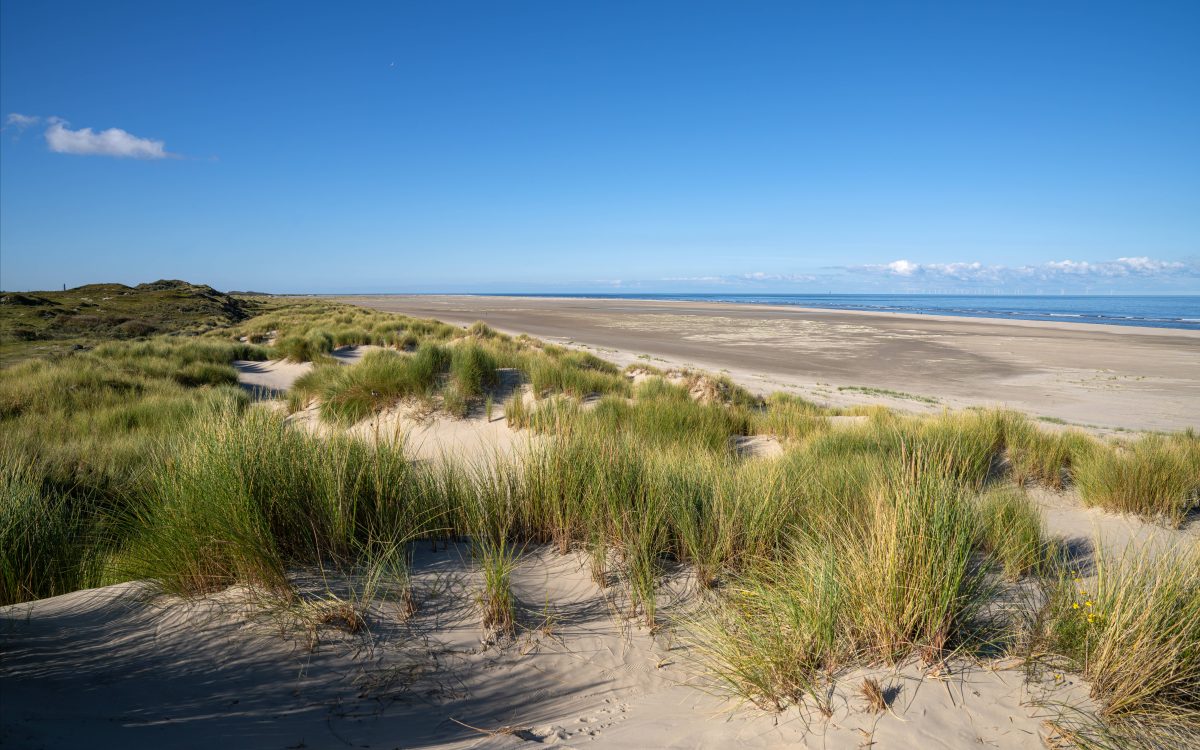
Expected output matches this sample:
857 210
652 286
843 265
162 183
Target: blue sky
694 146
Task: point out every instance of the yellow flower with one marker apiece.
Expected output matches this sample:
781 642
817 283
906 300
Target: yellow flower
1088 603
1075 605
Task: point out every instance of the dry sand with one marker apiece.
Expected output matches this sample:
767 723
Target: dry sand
106 668
1111 376
430 436
273 377
1082 528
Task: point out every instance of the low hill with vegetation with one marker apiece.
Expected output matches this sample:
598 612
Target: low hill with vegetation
42 323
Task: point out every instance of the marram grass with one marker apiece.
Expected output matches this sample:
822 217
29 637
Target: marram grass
899 582
1133 630
1154 476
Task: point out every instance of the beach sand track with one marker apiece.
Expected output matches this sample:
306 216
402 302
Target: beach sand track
1111 376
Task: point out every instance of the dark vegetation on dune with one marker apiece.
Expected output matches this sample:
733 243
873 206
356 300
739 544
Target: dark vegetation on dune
877 540
42 323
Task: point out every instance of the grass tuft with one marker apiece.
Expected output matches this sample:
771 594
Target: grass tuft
1012 531
873 696
1134 632
1155 476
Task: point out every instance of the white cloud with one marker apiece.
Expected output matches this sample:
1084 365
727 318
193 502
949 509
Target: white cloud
973 271
112 142
902 267
1141 266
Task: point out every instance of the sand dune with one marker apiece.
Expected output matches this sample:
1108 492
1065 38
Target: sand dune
109 668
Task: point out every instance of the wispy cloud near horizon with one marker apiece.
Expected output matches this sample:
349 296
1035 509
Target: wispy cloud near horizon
906 275
1051 271
756 277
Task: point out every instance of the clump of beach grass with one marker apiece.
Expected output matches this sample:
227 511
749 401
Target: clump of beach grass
791 417
1012 532
556 370
899 580
772 636
49 543
1155 476
473 368
1133 631
642 541
661 414
383 378
873 696
1038 454
487 514
481 330
240 500
515 412
311 347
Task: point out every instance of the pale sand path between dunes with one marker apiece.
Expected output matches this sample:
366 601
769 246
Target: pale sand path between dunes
104 668
273 377
1111 376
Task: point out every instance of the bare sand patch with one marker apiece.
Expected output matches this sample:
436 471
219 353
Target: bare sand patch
757 446
273 378
427 435
1083 528
133 672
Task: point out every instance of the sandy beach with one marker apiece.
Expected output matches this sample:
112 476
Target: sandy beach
1106 376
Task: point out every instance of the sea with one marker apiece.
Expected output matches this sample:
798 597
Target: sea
1149 311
